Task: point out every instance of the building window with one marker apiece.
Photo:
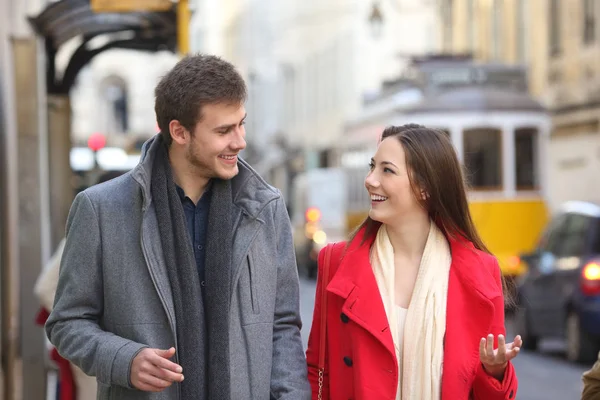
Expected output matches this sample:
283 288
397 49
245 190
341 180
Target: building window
115 109
554 27
522 32
483 158
589 21
526 158
497 33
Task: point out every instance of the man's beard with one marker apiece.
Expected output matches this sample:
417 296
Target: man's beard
195 161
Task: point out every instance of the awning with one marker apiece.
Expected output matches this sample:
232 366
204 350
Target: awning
64 20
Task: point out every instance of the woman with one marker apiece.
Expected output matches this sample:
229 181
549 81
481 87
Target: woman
415 305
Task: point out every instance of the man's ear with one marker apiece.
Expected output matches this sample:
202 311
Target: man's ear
179 133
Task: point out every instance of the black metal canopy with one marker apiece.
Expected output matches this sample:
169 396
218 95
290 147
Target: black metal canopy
64 20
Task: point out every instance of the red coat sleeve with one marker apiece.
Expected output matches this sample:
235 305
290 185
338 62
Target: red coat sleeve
486 387
314 339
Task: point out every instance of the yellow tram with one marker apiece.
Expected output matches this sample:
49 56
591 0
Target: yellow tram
501 135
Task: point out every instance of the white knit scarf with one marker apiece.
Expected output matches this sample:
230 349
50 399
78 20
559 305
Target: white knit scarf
425 324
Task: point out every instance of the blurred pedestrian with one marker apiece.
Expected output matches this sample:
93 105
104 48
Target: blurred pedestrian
591 382
74 383
414 305
187 261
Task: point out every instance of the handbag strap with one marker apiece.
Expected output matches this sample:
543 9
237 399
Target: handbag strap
325 281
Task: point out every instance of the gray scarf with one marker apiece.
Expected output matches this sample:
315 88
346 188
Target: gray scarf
202 328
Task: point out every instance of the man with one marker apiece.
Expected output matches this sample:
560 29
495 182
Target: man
184 267
591 382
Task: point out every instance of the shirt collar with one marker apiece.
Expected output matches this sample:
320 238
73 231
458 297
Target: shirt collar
182 195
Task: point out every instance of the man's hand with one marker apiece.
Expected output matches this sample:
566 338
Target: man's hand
152 371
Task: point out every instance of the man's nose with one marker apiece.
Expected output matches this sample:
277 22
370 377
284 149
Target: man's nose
239 143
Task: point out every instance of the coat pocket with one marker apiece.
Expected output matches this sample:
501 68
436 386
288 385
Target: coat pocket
252 277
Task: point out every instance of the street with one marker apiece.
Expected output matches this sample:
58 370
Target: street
542 376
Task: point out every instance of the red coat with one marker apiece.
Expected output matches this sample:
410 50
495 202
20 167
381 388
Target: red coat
360 358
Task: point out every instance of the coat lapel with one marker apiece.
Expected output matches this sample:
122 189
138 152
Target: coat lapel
155 260
355 282
469 316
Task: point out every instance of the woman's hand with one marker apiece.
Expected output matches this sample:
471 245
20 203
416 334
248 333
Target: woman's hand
495 361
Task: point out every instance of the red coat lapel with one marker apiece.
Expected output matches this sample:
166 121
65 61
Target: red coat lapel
355 282
469 316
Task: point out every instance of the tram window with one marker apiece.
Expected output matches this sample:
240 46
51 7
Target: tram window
526 158
482 154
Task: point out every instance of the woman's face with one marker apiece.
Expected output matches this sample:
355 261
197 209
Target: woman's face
388 184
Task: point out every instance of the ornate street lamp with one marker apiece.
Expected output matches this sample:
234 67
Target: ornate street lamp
376 20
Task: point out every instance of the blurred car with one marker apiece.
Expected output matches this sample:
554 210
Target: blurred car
559 295
319 214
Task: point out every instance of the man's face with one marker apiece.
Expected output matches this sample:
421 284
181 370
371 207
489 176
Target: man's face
217 140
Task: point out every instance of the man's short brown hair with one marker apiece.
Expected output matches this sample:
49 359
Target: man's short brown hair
195 81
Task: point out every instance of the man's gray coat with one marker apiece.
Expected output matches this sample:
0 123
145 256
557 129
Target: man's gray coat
114 298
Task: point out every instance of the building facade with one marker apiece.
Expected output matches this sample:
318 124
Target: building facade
310 66
114 95
558 43
573 95
24 201
498 31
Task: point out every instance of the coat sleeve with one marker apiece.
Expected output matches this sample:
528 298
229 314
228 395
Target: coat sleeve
486 387
74 324
314 340
288 375
591 382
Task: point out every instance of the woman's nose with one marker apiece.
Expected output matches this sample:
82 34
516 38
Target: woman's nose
371 181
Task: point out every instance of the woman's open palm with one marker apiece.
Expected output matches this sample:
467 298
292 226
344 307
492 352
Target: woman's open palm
495 361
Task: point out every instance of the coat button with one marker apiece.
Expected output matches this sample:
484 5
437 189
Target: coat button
510 396
348 361
344 318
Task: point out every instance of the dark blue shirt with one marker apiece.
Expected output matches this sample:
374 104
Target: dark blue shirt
196 218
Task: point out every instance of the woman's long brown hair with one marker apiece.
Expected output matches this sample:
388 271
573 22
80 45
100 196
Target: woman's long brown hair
434 168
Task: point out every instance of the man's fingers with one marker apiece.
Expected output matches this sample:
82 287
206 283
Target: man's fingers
166 364
155 384
165 353
167 375
147 388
